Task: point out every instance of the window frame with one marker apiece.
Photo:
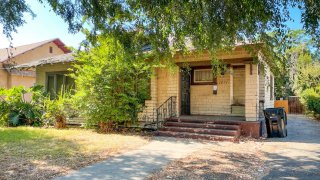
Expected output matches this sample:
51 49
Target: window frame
193 76
54 74
271 87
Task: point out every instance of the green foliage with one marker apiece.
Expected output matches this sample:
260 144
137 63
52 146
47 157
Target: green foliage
165 25
37 110
308 77
15 110
57 108
111 84
13 15
296 51
311 100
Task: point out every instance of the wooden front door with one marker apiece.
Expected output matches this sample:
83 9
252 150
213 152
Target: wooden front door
185 92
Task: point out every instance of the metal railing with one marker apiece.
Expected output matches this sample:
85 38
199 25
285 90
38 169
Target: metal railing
166 110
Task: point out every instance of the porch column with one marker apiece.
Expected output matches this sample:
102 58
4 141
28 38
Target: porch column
251 92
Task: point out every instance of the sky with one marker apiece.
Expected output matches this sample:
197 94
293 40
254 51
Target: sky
47 25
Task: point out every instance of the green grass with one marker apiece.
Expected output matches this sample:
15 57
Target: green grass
41 153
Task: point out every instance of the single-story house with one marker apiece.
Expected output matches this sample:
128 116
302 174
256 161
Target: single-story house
232 103
236 98
13 56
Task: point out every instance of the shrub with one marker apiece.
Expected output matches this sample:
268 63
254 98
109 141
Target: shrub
56 110
16 110
111 84
311 100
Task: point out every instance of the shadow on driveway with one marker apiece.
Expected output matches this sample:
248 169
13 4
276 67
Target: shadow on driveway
296 156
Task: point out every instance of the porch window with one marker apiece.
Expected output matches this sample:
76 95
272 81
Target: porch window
202 76
58 82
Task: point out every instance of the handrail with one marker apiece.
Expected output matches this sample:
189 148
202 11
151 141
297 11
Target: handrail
166 110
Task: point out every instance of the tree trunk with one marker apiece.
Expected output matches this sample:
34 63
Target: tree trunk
60 122
105 127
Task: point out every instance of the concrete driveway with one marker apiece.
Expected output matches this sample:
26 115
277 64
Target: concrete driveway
296 156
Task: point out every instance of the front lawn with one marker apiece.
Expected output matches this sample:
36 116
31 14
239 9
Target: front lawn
39 153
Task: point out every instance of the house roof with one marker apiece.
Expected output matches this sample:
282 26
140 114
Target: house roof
7 53
64 58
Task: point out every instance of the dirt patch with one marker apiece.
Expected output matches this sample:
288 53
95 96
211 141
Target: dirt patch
219 161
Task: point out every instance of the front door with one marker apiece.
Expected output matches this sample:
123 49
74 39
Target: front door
185 92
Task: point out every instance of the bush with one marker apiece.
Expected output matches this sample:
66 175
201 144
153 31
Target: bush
311 100
16 110
57 110
40 110
111 84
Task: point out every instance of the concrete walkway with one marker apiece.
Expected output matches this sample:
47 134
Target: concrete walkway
138 164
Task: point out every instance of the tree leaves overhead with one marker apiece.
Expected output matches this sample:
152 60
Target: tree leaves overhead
165 24
208 22
12 15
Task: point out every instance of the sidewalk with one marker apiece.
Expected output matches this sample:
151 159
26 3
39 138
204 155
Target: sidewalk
138 164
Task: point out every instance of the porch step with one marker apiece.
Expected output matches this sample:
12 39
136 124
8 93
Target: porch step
197 136
202 131
218 130
203 125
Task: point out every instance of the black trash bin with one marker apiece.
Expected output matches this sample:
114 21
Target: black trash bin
276 122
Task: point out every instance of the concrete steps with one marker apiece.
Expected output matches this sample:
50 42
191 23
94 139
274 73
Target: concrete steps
201 129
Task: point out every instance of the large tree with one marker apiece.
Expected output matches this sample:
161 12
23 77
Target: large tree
208 23
166 24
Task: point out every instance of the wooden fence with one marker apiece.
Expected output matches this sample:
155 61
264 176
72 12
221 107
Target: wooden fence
295 106
282 103
292 105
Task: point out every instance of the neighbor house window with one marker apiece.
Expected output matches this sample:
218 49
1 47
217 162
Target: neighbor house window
202 76
50 49
58 82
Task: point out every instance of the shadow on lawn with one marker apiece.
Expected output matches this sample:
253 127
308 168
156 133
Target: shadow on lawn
37 155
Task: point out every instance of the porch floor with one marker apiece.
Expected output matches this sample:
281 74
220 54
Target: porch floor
213 117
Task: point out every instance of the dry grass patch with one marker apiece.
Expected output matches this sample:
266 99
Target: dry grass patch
38 153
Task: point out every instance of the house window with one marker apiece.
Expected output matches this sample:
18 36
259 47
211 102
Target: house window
202 76
58 82
50 49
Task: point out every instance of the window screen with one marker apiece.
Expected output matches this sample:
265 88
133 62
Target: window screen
58 83
203 75
50 85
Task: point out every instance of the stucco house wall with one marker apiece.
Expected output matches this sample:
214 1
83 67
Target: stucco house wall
43 69
9 80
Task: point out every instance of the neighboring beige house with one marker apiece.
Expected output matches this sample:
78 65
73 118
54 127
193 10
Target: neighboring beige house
238 96
11 57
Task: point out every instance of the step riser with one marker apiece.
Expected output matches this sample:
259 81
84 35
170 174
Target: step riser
197 136
203 125
201 131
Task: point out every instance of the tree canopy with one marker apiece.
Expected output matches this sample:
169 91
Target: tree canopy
209 24
170 25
